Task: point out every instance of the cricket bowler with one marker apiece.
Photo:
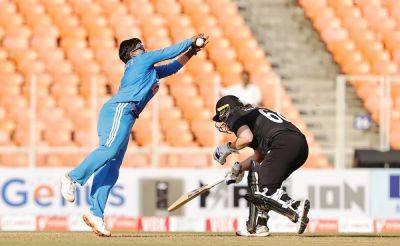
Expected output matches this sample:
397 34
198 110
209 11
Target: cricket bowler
279 149
140 82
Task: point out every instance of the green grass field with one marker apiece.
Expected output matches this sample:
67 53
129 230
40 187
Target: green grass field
203 239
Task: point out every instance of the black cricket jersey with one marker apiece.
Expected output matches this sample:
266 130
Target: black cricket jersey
263 123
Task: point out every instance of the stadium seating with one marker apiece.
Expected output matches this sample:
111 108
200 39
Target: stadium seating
364 38
71 46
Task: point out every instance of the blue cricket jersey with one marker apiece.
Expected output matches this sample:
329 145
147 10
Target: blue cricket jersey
140 80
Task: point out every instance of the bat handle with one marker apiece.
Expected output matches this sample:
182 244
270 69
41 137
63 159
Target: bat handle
218 182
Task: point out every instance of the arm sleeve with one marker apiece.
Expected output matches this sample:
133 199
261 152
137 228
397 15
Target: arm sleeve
168 69
170 52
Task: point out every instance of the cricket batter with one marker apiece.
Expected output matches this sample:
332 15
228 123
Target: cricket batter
140 82
279 149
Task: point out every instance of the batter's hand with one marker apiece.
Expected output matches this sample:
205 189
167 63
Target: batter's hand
223 151
235 175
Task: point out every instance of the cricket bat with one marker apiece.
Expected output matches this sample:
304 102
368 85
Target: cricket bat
193 194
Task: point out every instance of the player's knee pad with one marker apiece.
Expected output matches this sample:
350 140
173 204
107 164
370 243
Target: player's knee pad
266 204
279 202
252 181
283 198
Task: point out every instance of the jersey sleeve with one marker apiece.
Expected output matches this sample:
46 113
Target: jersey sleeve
235 121
168 69
167 53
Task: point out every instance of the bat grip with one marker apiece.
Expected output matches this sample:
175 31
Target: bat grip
236 169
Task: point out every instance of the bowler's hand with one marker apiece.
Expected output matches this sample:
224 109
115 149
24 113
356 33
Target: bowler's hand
195 37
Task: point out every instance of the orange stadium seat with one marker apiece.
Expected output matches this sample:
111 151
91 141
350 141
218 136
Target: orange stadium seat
81 118
72 45
136 160
7 128
82 138
68 160
204 132
181 78
191 160
367 42
14 160
143 132
5 136
21 136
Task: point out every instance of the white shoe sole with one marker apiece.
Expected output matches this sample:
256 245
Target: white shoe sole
264 234
304 217
94 228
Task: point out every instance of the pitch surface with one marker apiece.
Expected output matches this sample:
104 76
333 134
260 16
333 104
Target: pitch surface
203 239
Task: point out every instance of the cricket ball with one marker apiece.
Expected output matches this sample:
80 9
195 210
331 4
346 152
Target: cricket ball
199 42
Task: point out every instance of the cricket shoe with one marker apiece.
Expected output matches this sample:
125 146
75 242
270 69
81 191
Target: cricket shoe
261 231
68 188
97 224
303 214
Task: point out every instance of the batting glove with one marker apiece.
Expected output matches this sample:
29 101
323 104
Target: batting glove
234 176
222 151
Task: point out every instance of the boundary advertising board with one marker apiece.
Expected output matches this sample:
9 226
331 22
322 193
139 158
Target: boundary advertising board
343 200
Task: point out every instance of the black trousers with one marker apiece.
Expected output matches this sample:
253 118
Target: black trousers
288 151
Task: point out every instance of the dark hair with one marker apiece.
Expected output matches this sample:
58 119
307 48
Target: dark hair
126 47
246 106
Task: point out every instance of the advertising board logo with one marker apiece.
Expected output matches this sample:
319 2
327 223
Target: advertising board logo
18 192
337 196
389 225
394 187
124 223
155 223
323 225
219 195
18 222
233 197
52 223
157 193
221 224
